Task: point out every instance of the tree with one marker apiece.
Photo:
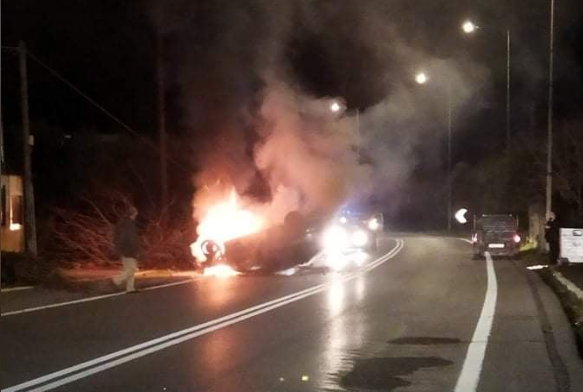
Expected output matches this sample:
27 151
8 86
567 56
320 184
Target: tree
568 166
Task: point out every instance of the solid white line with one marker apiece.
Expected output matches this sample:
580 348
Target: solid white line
140 350
89 299
569 285
18 288
472 368
466 240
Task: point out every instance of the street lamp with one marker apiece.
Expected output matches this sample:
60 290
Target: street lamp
335 107
422 78
469 27
549 176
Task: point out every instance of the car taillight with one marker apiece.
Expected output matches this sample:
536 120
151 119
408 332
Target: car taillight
516 238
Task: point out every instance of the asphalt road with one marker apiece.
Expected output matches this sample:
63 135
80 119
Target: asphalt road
420 315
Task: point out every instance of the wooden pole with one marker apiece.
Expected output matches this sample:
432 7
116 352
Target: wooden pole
29 213
162 120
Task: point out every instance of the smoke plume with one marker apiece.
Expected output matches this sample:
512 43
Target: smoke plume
256 80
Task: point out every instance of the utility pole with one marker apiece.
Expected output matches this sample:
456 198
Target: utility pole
549 191
358 133
1 154
508 52
162 119
449 177
29 215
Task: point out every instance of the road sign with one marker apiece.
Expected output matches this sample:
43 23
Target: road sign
572 245
460 216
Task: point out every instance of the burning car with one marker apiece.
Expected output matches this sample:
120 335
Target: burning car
233 239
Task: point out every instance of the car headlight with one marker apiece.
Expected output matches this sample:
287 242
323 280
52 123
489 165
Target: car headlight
335 237
374 224
359 238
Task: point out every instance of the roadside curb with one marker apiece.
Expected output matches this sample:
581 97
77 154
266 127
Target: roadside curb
571 298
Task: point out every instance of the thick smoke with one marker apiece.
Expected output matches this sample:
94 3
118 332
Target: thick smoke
307 153
263 129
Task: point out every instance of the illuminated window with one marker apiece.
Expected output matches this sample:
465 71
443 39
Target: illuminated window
4 210
17 210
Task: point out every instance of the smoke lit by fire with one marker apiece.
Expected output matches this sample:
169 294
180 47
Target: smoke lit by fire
223 221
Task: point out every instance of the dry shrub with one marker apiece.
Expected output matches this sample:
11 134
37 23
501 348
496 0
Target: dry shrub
84 235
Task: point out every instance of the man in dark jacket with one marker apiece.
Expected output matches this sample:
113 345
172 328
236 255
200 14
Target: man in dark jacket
127 246
552 237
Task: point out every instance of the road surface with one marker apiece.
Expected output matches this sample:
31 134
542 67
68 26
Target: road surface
420 315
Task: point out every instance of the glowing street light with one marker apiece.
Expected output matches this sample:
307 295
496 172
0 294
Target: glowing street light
469 27
421 78
335 107
338 107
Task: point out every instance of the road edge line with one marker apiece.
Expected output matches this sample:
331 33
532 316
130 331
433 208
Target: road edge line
90 299
473 363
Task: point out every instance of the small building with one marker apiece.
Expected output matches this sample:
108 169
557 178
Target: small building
12 214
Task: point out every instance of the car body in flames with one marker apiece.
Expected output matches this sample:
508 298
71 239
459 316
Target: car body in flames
233 240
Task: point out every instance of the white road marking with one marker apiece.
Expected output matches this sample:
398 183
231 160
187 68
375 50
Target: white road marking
466 240
17 288
472 368
89 299
129 354
569 285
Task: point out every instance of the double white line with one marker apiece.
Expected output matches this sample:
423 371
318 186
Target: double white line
85 369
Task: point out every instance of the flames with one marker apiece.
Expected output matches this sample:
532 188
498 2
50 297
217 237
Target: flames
223 221
220 271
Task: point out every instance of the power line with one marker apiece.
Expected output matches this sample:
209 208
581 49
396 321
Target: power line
62 79
92 101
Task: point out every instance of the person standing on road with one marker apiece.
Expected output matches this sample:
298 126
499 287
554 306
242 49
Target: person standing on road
552 237
127 246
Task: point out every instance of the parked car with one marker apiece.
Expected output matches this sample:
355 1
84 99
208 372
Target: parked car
497 235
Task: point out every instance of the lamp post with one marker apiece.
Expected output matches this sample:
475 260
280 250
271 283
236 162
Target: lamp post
469 27
549 176
422 78
338 107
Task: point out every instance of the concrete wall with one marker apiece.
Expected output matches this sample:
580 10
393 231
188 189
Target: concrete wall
12 231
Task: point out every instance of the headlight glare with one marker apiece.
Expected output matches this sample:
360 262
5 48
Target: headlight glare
335 238
373 224
359 238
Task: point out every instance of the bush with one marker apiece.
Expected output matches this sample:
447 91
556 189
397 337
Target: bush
85 235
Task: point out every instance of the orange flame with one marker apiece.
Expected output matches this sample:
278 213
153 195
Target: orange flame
220 271
223 222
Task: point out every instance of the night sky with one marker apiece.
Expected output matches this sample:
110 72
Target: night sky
217 55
